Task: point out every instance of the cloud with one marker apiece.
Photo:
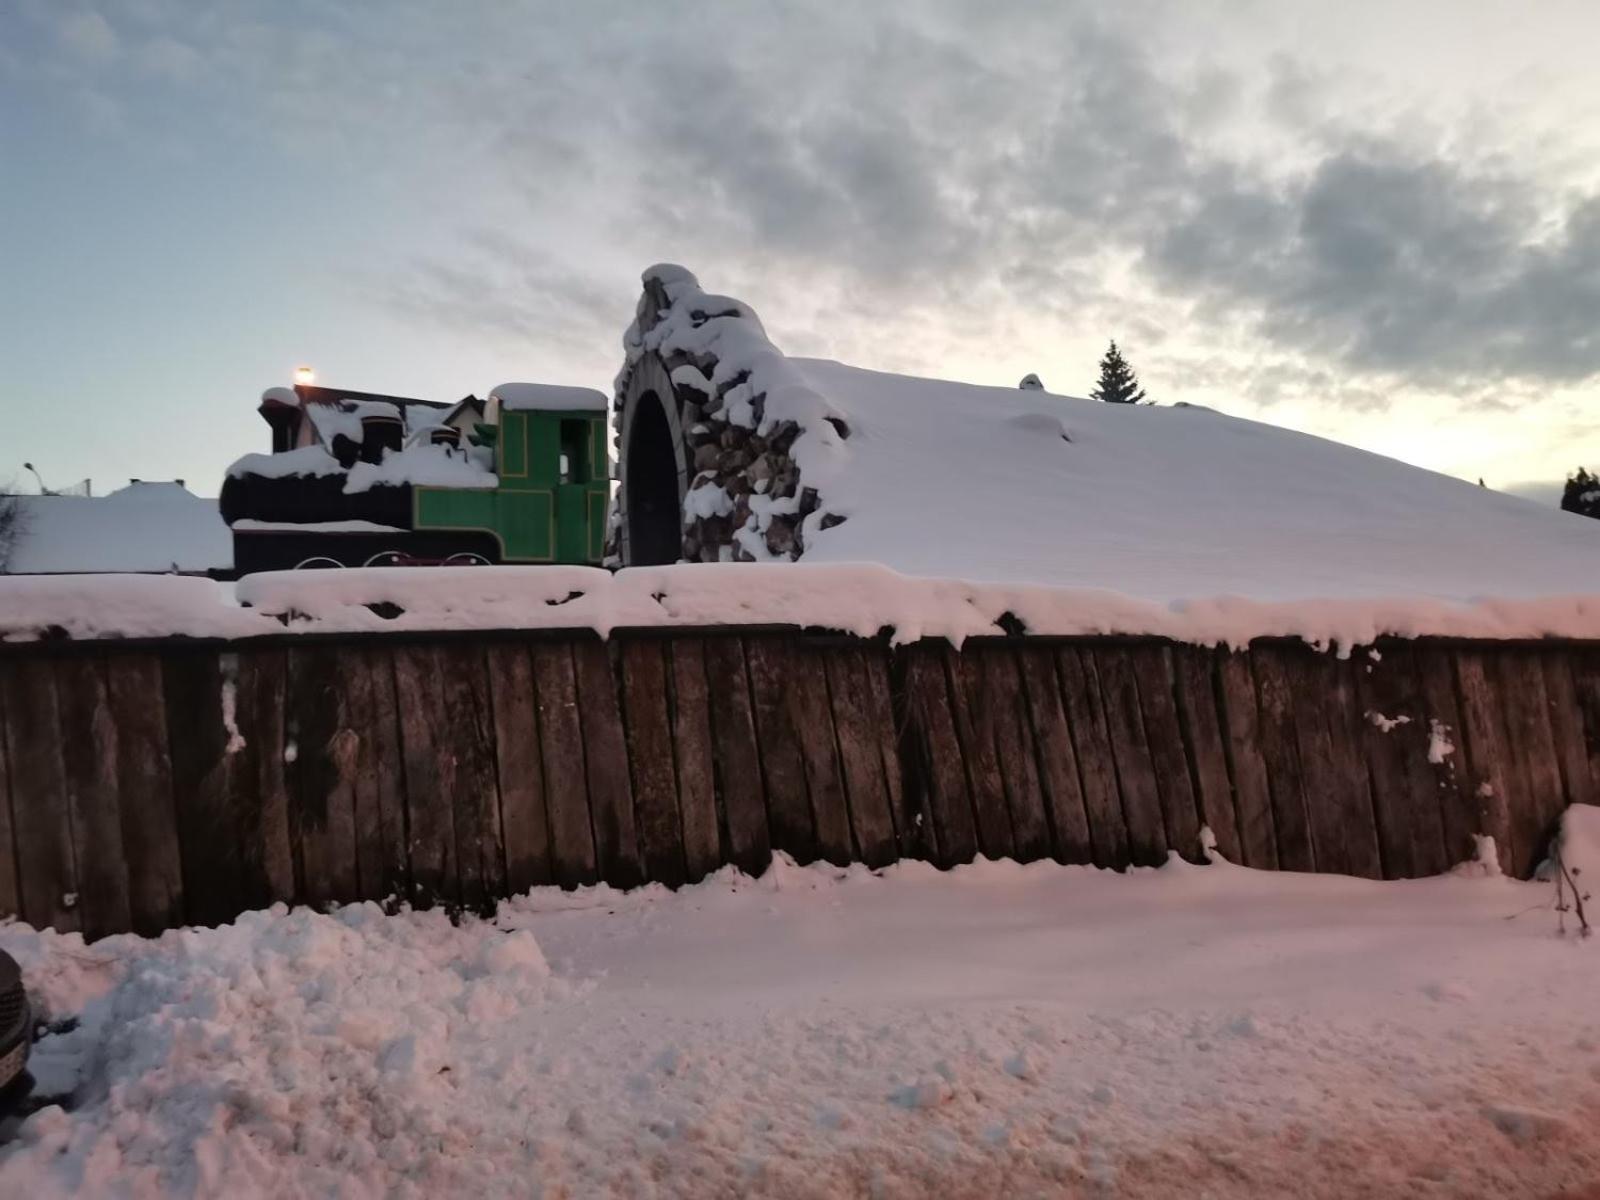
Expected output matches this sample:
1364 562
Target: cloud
90 36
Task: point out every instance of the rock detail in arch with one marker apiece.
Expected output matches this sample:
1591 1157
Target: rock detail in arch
758 444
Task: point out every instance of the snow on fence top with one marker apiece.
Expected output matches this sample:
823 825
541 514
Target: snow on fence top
862 599
1165 504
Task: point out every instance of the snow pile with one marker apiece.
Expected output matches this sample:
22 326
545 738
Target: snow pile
859 598
419 463
997 1029
549 397
1165 504
142 527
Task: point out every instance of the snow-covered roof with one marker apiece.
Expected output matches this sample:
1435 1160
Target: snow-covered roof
1170 504
142 527
420 463
548 397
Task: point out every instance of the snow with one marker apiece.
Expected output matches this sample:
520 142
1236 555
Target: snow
994 1030
1164 504
291 464
852 598
141 527
423 464
549 397
250 525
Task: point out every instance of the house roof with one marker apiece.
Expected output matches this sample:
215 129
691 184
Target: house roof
142 527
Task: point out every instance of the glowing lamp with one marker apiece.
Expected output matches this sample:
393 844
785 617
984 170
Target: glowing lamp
304 376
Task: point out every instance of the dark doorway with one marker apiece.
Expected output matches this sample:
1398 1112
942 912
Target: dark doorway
655 524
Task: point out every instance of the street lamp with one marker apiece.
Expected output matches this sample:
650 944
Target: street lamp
43 491
304 377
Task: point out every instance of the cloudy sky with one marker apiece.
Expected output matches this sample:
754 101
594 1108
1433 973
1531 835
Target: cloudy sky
1375 221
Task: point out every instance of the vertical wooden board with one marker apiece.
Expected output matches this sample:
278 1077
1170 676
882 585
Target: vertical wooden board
1007 704
321 781
429 762
1238 708
144 786
935 776
1490 775
572 850
1097 771
812 714
1404 789
616 838
1585 667
475 797
1352 781
1130 751
1058 761
46 864
913 819
89 742
259 774
1276 735
10 894
1153 672
1538 798
649 734
689 706
525 823
1193 679
1447 761
736 756
1309 686
773 668
853 719
1566 726
975 721
382 770
209 838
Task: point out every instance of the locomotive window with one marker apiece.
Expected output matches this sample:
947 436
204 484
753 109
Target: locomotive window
573 458
379 434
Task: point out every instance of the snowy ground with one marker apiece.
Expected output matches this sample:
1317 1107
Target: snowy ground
997 1030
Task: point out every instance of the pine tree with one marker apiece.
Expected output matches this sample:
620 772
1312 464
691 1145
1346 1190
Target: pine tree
1118 383
1582 494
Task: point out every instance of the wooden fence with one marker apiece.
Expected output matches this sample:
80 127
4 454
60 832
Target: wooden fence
150 785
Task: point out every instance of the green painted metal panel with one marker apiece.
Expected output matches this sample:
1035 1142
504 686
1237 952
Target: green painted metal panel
544 449
572 523
527 527
599 459
455 508
513 465
598 499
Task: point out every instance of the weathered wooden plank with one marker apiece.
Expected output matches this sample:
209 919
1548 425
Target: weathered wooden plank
1352 795
572 850
10 893
1458 807
144 787
257 776
525 823
199 746
738 761
1193 679
1238 709
1130 751
935 779
1007 704
322 778
855 722
650 753
47 869
475 798
772 667
913 820
616 839
812 715
689 705
1566 726
1309 681
89 743
429 761
1180 813
1585 666
975 720
1538 797
1490 773
1058 760
1280 756
1097 771
368 706
1395 739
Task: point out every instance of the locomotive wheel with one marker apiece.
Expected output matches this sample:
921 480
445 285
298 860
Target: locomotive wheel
466 558
320 562
386 558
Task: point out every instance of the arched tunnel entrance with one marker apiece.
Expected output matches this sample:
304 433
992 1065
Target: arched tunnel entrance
655 521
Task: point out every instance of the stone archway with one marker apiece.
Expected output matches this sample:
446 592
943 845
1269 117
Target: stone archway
653 472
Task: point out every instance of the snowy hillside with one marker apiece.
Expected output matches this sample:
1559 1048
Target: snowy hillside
1162 503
